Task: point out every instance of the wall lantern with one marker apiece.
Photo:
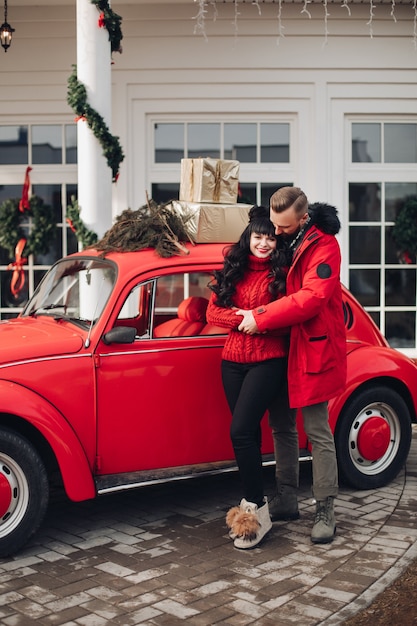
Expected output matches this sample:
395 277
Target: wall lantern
6 30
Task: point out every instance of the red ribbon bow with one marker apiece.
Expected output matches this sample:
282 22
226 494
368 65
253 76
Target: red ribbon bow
18 278
24 202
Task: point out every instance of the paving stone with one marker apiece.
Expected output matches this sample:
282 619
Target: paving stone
162 556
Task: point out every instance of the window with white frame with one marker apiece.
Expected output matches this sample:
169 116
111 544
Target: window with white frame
51 151
382 174
264 149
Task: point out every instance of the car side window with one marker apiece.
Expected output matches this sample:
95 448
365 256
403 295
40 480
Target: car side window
181 301
136 310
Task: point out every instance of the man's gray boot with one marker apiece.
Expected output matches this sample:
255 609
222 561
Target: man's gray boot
324 528
284 504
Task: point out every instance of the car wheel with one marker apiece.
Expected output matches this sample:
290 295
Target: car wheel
24 491
373 438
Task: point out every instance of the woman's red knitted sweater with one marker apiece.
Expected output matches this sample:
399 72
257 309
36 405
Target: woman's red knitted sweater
251 292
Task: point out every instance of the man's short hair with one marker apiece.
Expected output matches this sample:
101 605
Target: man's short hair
289 196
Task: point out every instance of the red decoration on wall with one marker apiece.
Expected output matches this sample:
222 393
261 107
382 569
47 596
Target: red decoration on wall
18 278
24 202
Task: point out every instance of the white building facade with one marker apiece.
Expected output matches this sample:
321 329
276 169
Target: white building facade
322 95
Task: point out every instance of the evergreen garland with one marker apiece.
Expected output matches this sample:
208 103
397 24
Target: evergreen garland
404 232
38 237
111 21
85 236
151 226
77 100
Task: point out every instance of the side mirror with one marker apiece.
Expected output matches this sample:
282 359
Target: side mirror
120 334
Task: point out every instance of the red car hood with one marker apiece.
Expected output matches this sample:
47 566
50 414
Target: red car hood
29 338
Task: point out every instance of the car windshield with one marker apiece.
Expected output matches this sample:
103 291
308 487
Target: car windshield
76 289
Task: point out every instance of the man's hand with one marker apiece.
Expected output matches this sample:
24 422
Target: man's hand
248 324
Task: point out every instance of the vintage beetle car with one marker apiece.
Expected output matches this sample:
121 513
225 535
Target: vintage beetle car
110 379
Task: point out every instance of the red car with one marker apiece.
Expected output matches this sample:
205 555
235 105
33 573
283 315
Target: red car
110 379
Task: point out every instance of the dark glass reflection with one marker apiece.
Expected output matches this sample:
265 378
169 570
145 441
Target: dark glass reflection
164 192
275 143
365 202
203 140
247 193
366 143
51 195
365 286
47 144
400 329
365 244
240 142
169 142
267 189
13 145
8 299
71 143
400 143
400 287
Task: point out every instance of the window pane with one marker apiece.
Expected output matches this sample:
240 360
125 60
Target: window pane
198 284
10 192
8 299
164 192
365 244
169 291
395 195
51 195
400 329
275 143
365 202
392 255
240 142
400 287
366 143
169 143
247 193
365 286
13 145
203 141
267 190
400 143
46 144
70 143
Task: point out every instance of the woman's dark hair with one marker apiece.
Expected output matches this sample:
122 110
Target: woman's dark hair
236 259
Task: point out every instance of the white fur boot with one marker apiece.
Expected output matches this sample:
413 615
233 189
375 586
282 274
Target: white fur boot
248 524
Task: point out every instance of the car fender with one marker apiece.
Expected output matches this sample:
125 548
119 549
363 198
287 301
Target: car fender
367 362
75 470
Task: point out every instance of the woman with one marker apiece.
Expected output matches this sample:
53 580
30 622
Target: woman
253 366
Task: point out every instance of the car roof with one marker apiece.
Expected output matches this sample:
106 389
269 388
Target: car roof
148 259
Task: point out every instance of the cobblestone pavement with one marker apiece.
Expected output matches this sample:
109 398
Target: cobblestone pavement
162 555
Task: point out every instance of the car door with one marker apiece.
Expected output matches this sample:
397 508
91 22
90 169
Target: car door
160 401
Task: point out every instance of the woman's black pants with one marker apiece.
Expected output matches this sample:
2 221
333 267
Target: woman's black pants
250 389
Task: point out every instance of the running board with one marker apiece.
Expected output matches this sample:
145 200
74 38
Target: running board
110 483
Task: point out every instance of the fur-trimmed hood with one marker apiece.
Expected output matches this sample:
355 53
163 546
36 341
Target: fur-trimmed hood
324 216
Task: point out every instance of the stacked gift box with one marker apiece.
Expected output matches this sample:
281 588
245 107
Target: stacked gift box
208 200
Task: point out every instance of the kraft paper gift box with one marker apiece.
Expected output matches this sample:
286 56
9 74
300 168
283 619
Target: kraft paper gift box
213 223
209 180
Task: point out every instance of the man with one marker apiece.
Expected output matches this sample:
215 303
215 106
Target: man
317 358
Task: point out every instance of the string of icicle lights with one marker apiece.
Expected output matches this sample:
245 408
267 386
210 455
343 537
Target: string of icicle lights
205 5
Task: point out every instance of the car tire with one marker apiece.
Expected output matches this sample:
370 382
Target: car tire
372 438
24 491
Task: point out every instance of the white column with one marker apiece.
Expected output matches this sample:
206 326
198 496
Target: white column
94 72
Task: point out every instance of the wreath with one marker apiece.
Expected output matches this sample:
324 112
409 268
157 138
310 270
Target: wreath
37 237
404 232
